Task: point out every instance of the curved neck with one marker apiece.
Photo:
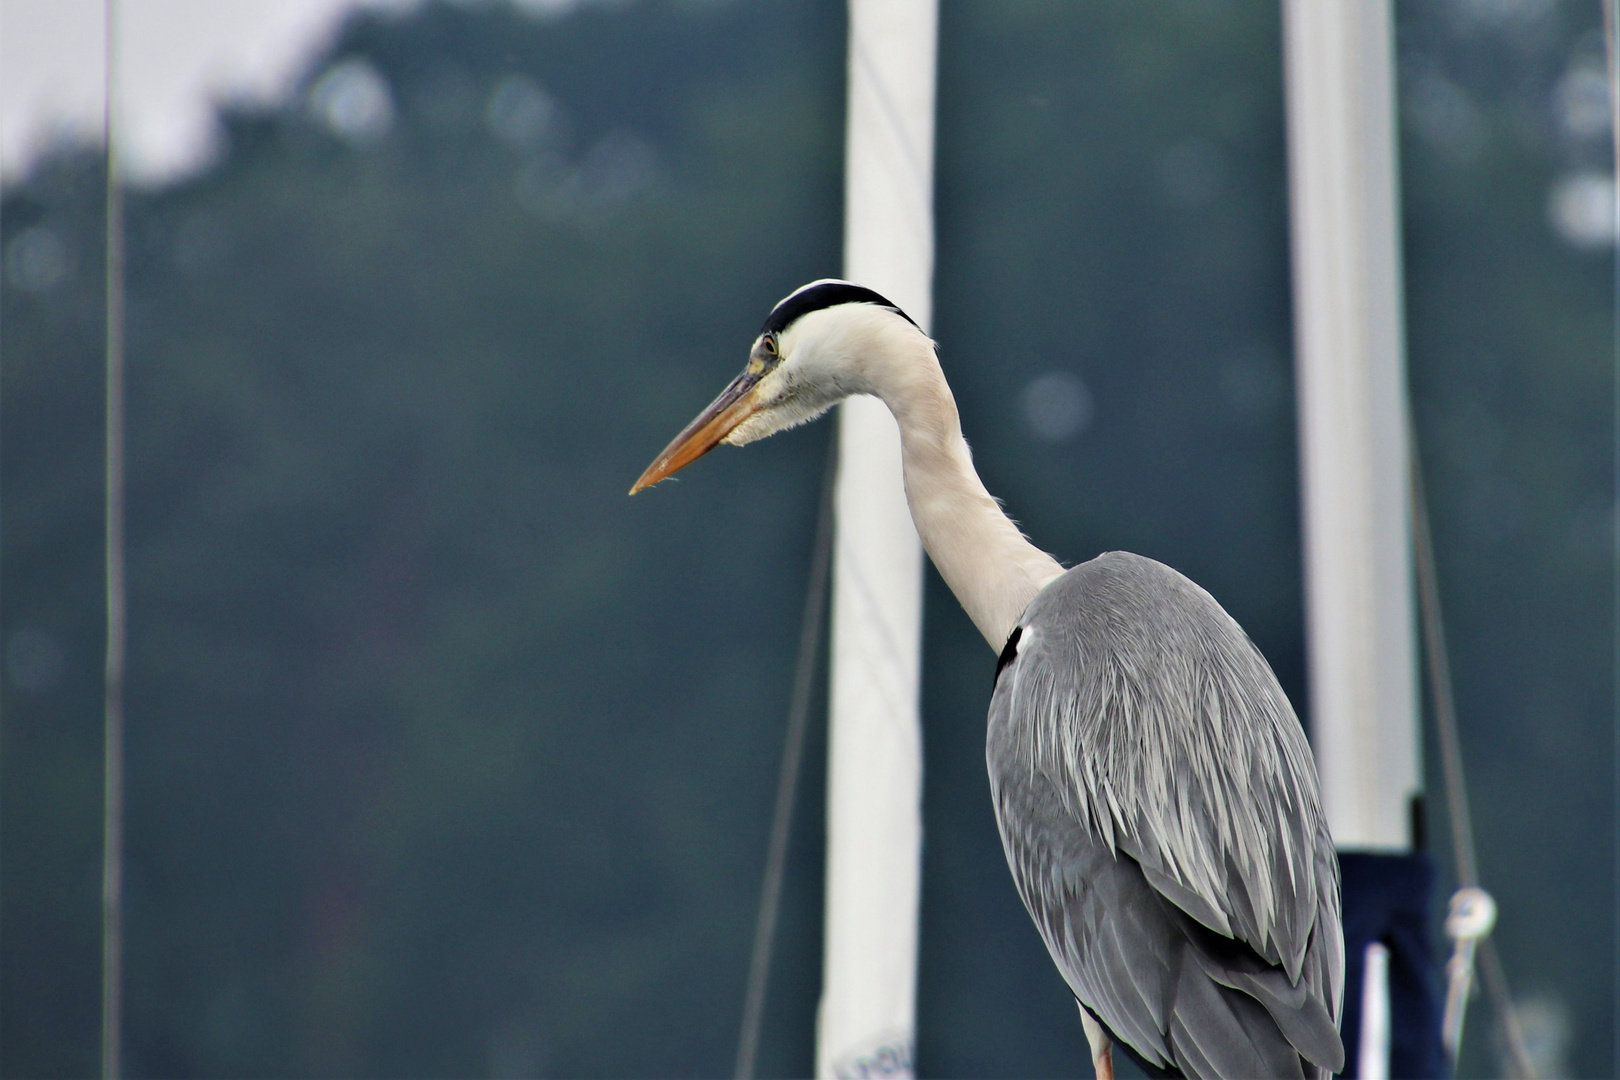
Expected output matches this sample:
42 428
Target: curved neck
993 570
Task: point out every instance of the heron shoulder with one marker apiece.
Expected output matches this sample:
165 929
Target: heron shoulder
1166 734
1129 594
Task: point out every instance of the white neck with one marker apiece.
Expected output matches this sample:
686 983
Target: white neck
993 570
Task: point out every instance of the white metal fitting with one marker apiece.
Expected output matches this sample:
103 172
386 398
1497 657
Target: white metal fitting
1471 914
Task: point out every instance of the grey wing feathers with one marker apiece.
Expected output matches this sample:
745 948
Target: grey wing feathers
1158 805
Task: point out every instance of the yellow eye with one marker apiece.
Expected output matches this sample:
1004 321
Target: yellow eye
769 345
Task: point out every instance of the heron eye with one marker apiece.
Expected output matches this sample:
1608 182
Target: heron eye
769 345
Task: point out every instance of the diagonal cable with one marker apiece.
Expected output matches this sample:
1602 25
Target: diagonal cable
1438 668
815 602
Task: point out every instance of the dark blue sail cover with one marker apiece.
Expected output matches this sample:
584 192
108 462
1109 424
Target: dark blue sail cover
1390 899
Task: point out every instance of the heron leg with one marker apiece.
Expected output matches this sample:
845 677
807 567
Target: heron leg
1102 1047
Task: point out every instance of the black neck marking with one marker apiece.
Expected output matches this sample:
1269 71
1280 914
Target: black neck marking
825 295
1009 653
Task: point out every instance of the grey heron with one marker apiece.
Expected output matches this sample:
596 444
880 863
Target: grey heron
1153 788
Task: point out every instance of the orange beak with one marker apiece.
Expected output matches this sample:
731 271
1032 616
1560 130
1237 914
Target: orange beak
732 407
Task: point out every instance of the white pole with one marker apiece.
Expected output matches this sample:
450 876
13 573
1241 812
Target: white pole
1352 417
874 786
1372 1056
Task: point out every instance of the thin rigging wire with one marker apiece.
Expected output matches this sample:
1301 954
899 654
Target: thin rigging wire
1439 672
112 855
759 967
1496 985
1611 53
1438 666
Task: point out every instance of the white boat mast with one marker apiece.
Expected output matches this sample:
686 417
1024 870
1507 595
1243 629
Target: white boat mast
1353 436
874 786
1353 439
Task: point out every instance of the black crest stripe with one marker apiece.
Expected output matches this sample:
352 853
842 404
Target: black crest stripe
826 295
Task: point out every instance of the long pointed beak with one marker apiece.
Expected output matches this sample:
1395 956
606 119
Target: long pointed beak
732 407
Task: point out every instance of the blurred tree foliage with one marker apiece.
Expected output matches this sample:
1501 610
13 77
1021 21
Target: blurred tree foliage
447 759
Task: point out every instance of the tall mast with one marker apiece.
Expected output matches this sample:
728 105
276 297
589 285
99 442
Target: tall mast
1354 454
1355 463
866 1024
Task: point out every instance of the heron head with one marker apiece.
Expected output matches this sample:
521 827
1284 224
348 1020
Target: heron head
814 350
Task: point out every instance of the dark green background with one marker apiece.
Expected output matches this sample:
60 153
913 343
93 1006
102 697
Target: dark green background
446 759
